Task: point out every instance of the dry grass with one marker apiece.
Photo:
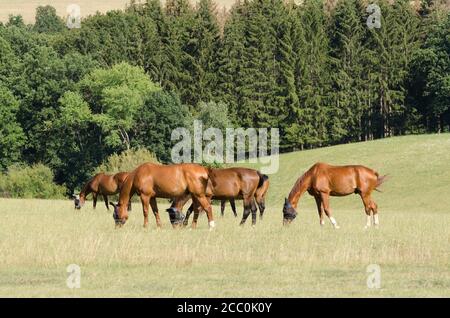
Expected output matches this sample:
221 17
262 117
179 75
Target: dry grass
27 8
39 238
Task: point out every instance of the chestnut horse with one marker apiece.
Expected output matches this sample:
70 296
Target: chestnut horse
101 184
230 184
151 181
323 180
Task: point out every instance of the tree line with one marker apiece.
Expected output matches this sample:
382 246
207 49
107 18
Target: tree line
71 98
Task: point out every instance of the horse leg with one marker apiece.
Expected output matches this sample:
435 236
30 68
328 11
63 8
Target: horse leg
367 207
254 212
222 207
261 206
233 207
94 198
319 209
247 210
105 198
145 200
129 205
196 210
205 204
154 206
325 197
188 214
374 208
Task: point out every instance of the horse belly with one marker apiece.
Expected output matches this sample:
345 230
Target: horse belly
342 185
226 190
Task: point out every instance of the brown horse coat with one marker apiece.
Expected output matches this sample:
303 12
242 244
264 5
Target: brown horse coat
323 180
101 184
151 181
230 184
260 197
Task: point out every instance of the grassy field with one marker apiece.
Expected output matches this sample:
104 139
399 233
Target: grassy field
39 239
27 8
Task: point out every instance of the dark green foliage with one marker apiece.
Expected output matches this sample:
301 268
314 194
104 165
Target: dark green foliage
162 112
12 137
70 98
30 182
47 20
430 79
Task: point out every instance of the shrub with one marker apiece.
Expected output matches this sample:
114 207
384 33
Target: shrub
126 161
30 182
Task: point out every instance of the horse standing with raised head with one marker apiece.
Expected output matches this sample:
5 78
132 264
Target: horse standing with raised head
323 180
248 185
101 184
151 181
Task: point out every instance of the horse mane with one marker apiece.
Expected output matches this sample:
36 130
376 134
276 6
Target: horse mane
297 188
85 189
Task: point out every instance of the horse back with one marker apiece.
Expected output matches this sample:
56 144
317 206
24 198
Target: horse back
343 180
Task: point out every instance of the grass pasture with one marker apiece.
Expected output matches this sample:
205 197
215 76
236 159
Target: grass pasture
39 239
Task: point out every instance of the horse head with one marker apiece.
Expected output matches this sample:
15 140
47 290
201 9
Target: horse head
176 217
76 201
289 213
116 215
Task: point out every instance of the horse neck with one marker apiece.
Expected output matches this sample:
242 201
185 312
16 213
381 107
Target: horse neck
86 189
126 191
300 187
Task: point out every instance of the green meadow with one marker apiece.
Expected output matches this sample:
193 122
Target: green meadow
40 238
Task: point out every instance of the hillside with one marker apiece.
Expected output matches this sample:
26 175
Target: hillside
27 8
39 238
418 166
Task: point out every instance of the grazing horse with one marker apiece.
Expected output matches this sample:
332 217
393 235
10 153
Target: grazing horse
151 181
323 180
101 184
260 197
230 184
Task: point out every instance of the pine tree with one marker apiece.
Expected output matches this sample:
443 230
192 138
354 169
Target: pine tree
309 127
202 51
229 67
349 78
391 49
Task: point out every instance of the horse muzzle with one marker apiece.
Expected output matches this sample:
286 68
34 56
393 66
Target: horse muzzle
176 217
119 221
288 218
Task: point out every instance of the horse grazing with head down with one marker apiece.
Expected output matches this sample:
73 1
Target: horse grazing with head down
230 184
151 181
101 184
323 180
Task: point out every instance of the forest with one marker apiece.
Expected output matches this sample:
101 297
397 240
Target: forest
72 98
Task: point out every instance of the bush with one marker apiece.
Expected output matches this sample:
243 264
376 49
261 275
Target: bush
126 161
30 182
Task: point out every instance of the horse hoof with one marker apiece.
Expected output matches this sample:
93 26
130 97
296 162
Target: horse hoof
337 227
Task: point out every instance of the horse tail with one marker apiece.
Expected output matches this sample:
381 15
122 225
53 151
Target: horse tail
262 179
380 181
